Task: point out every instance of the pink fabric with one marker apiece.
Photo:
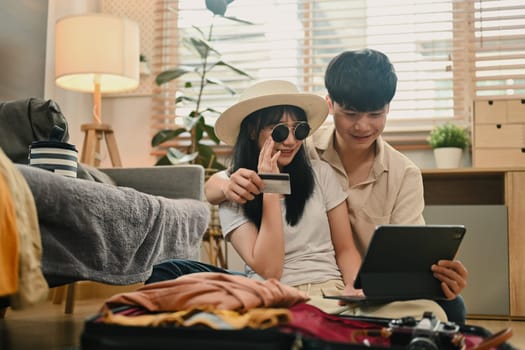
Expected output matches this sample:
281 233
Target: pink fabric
313 322
211 289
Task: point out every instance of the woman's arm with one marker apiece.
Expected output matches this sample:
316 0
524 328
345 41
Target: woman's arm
263 250
347 257
242 186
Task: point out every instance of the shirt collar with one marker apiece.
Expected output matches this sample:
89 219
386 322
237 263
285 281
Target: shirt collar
380 163
323 140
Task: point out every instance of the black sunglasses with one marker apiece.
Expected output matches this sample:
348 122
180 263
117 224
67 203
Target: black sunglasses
281 131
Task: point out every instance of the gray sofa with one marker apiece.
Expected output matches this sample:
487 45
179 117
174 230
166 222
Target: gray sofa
115 234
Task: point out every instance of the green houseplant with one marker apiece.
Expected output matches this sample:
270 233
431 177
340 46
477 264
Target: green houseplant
449 135
198 152
448 141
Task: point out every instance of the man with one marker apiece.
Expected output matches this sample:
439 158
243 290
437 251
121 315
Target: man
383 185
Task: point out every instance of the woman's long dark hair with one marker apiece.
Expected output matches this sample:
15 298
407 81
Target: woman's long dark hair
246 155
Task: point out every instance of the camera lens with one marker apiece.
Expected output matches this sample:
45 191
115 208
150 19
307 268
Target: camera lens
422 344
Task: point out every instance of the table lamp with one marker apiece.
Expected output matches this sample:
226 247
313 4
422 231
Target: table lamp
97 53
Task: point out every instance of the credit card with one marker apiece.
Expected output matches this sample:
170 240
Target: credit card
276 183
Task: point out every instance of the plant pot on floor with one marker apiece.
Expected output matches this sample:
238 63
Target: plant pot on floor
448 157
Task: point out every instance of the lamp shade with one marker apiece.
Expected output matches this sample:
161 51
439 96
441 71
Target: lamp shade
97 47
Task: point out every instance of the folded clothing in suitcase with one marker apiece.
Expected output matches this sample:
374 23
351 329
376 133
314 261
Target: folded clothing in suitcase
220 311
132 327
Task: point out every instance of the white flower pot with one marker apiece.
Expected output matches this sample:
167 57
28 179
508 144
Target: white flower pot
144 68
448 157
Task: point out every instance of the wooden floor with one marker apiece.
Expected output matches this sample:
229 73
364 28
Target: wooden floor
46 327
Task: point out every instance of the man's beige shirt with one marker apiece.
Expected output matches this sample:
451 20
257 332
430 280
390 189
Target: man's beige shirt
392 194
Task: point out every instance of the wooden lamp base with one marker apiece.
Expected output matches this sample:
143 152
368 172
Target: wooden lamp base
94 133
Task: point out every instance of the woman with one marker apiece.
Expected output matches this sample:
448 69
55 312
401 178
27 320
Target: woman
304 238
313 243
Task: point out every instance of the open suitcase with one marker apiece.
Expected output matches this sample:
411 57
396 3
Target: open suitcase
313 330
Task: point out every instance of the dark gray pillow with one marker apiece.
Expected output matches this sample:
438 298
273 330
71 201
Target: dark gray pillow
25 121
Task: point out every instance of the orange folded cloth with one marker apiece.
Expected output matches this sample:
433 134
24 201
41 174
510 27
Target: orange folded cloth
211 289
8 242
258 318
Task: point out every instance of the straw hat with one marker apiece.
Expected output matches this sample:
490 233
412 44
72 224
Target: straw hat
266 94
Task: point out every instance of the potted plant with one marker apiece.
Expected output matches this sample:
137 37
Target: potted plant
194 123
448 141
144 66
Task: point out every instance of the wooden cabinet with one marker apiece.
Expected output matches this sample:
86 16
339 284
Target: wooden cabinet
499 133
484 195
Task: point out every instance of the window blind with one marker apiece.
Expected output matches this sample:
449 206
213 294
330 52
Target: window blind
445 52
499 48
165 56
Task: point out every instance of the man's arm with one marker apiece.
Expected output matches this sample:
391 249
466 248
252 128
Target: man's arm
347 256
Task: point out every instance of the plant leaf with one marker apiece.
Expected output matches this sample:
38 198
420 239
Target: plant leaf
238 20
169 75
217 7
177 157
448 135
199 30
190 121
233 68
201 46
205 154
163 161
212 110
207 158
210 130
218 82
217 165
185 98
199 129
166 135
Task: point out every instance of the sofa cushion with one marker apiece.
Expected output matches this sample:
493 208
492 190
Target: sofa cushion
88 172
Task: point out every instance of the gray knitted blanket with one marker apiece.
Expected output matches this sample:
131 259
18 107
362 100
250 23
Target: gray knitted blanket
100 232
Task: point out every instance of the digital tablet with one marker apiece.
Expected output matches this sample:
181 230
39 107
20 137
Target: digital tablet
397 263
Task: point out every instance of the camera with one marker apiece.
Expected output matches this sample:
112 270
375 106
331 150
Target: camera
426 334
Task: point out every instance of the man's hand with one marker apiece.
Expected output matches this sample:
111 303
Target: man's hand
243 186
350 291
453 276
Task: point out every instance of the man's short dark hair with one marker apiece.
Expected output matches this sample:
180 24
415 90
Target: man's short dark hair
363 80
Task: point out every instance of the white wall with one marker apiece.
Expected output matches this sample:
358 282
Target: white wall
22 53
129 116
424 159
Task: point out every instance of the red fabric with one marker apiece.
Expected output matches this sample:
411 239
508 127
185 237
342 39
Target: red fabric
313 322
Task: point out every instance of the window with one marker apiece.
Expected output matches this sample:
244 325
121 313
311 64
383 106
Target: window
446 52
